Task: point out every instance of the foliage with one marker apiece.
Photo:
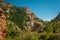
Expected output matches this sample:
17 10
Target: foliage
16 16
51 28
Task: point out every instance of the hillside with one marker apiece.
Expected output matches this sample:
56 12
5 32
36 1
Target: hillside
20 23
57 18
18 19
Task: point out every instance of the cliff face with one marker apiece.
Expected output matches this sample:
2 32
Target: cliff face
2 24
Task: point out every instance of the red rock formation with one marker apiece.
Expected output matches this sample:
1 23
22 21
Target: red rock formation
2 25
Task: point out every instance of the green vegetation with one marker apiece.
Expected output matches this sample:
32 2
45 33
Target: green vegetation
51 29
17 16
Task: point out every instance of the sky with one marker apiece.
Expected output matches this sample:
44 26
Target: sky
44 9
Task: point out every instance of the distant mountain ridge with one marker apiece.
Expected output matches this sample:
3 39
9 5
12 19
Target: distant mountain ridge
57 18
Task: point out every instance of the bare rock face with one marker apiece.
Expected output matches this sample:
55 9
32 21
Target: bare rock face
2 24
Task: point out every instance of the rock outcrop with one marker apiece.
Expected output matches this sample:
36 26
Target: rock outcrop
2 24
31 21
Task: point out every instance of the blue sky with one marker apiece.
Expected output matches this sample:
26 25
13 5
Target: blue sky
44 9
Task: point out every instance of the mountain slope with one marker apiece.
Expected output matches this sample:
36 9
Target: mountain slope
58 17
18 19
20 23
